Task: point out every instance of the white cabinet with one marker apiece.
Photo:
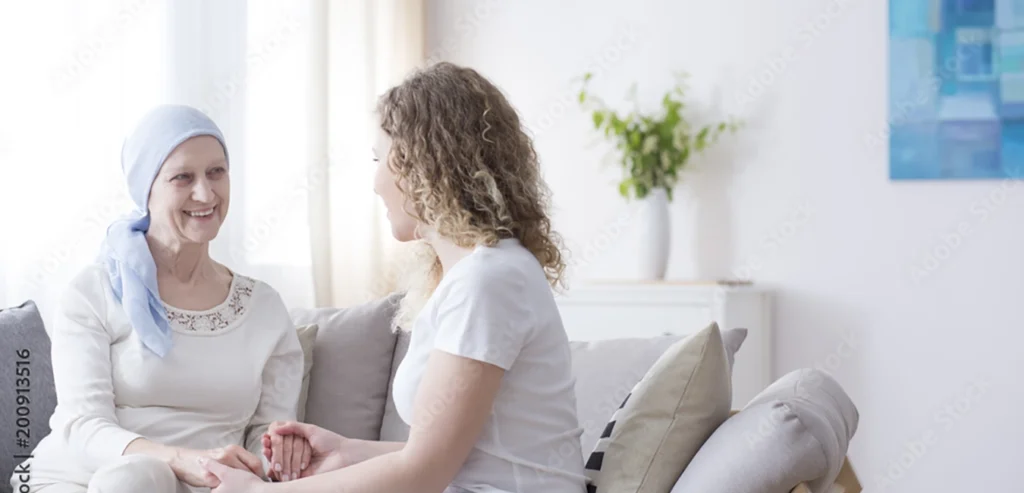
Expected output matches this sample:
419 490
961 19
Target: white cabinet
614 310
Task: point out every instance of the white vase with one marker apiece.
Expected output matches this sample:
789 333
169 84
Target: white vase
654 236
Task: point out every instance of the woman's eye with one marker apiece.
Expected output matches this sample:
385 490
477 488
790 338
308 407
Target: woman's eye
182 176
218 170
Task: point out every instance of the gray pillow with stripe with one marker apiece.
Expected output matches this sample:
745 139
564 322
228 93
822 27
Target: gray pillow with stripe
664 420
607 370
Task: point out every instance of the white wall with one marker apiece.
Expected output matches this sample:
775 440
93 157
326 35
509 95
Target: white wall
924 336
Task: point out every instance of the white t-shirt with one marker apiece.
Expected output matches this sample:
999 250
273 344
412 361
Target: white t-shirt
496 306
233 369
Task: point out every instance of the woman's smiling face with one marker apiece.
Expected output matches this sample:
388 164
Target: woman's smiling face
190 196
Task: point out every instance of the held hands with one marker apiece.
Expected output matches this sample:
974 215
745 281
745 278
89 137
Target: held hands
321 449
186 464
299 450
288 455
231 480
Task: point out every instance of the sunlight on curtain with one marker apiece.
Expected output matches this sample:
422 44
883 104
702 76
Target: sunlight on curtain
277 130
371 45
312 225
274 241
79 76
245 64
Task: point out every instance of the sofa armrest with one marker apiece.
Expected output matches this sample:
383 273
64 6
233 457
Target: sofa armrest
847 482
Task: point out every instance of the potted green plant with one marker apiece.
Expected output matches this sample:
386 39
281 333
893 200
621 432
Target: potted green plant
654 148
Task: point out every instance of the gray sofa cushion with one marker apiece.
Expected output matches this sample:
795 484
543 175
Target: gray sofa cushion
393 428
798 429
26 384
348 384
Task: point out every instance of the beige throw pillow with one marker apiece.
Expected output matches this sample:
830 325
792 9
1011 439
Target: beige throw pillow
307 338
607 370
664 421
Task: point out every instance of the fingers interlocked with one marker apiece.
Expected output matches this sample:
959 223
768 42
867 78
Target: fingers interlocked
288 454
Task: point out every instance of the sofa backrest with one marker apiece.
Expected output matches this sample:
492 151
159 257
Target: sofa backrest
605 373
356 353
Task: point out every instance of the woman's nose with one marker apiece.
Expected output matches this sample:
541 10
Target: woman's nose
202 191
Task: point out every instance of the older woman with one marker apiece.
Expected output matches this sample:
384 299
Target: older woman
486 385
161 355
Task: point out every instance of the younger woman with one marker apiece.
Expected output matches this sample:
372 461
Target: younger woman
487 385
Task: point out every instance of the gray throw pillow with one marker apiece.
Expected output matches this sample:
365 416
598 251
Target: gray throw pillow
26 384
796 430
352 366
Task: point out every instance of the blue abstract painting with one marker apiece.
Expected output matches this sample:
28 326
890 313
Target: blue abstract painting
956 89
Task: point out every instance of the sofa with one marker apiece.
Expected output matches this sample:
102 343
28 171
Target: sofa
793 437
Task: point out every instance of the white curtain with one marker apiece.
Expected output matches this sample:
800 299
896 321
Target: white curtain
292 84
367 46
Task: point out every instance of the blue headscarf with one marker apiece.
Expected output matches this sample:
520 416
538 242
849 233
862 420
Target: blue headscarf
125 252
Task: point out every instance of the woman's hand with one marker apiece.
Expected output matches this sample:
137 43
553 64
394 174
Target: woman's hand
186 464
288 455
325 448
229 479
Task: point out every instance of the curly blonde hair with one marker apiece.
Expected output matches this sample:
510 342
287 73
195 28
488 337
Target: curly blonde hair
470 171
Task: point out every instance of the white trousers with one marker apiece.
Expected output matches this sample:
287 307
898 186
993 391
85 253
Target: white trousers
129 474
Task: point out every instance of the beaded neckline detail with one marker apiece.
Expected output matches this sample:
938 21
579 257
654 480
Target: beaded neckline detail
218 318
